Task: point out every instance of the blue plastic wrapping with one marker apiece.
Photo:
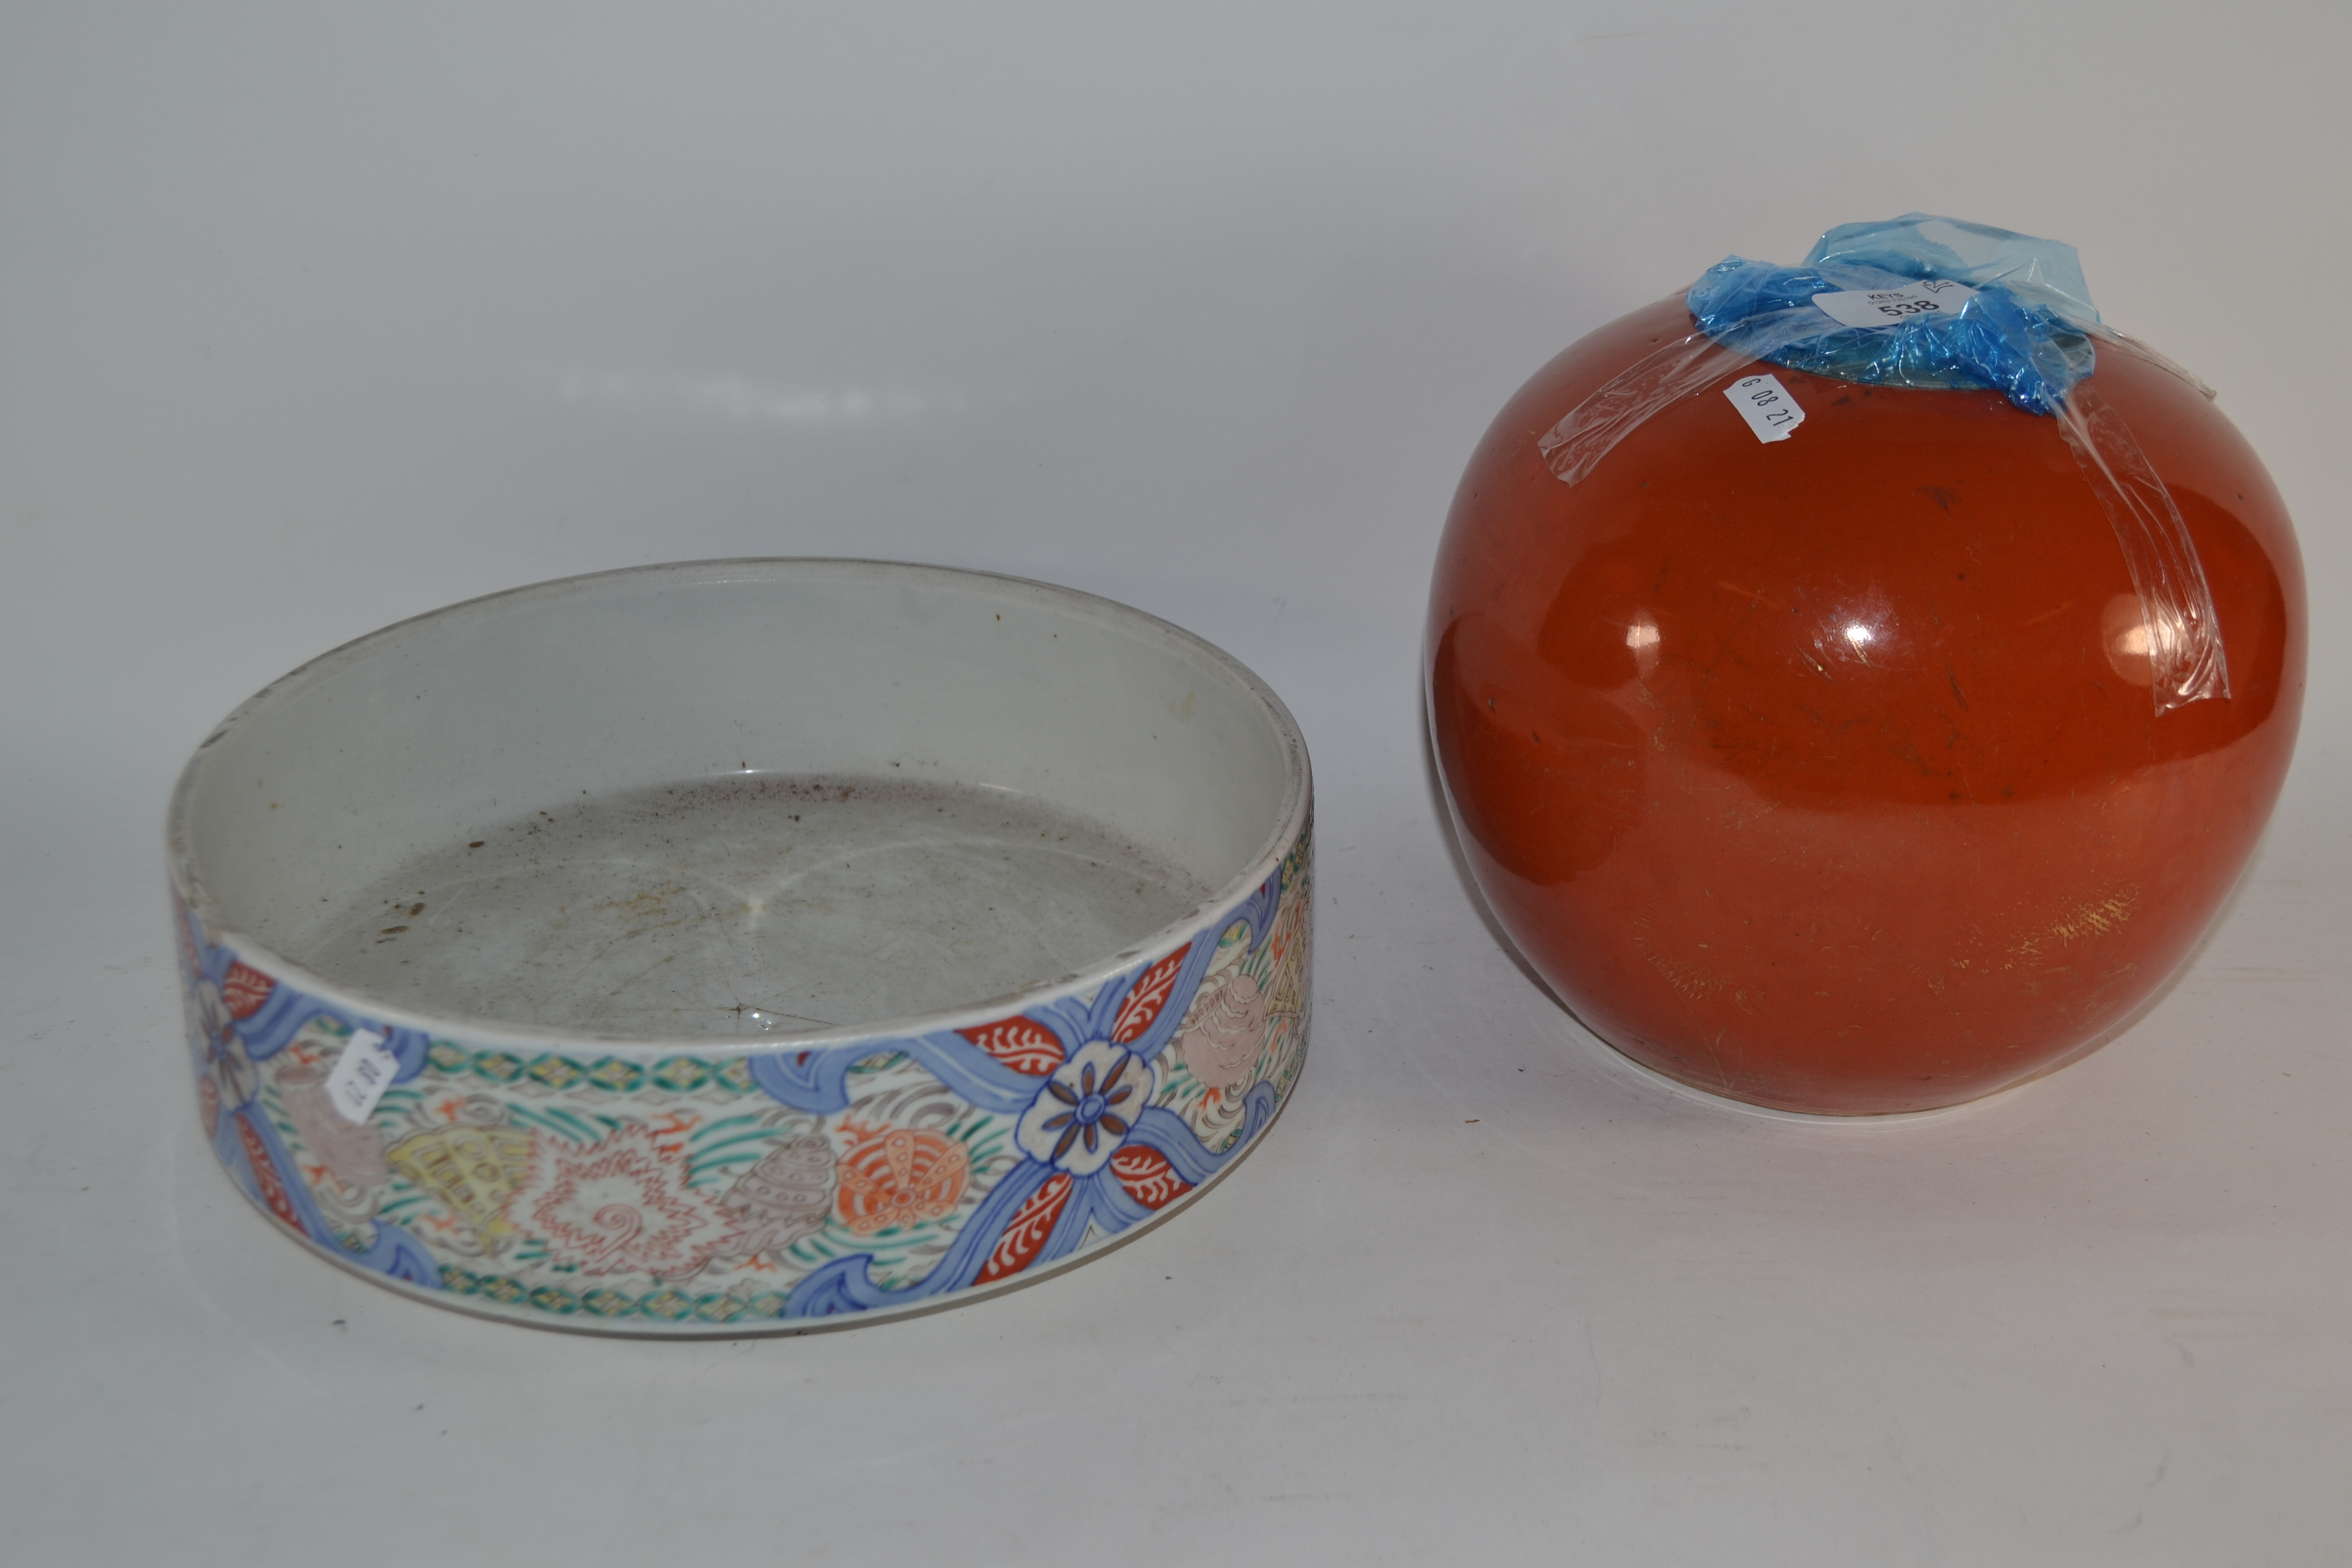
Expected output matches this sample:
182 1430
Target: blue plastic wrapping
2026 331
1966 306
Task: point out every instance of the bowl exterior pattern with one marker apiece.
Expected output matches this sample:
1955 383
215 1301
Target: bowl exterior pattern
726 1191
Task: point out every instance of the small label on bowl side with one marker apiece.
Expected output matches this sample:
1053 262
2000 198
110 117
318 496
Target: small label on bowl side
360 1075
1767 405
1885 307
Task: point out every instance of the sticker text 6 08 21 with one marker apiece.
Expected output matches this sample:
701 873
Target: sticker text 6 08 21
360 1075
1767 406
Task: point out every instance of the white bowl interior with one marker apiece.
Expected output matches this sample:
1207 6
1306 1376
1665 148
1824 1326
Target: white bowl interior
944 696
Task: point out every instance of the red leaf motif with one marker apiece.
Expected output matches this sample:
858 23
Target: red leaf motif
1022 1044
265 1174
1032 1223
1147 1177
1150 995
244 990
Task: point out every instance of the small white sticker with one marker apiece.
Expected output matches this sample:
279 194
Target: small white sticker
1767 406
360 1075
1884 307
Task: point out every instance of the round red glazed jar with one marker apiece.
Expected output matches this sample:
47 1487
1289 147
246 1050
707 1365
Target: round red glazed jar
1825 772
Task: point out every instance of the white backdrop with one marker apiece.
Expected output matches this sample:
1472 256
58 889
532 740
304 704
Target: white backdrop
316 317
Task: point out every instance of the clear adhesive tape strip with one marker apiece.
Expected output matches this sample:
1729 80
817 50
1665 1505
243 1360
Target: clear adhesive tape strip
1575 446
2184 636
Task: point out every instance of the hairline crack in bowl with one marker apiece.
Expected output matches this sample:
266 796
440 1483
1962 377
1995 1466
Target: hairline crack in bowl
847 939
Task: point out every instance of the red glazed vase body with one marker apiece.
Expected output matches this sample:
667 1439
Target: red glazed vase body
1826 773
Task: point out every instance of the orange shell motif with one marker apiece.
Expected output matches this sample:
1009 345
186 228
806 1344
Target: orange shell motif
900 1177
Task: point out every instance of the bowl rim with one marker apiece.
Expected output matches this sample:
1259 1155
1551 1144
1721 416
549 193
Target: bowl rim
1292 820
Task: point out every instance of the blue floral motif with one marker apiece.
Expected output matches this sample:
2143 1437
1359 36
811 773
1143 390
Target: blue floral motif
1069 1126
227 1039
1087 1109
220 1051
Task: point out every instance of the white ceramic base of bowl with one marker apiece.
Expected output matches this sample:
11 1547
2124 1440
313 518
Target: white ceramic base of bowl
748 905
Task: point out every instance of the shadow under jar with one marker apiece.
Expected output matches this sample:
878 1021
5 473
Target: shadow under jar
1825 772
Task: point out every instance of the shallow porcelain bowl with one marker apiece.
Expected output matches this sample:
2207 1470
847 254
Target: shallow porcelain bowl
706 947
